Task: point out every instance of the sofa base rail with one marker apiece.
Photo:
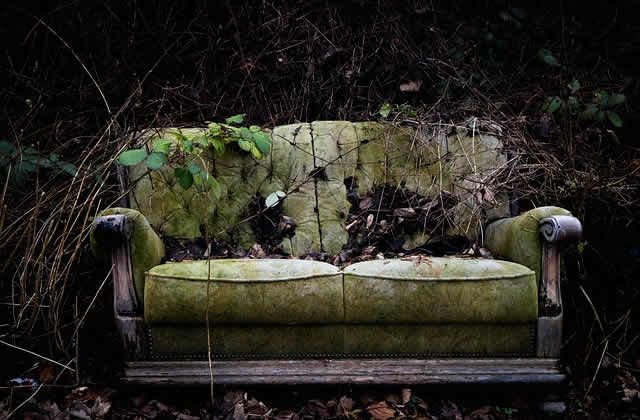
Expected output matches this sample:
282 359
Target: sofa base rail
347 371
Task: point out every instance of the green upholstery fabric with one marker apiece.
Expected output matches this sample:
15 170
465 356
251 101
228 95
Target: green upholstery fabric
518 238
373 153
244 291
147 249
342 340
432 290
439 290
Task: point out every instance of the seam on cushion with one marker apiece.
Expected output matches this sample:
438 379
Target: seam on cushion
436 279
231 280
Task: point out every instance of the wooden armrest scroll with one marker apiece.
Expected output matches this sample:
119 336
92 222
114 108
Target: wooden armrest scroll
555 231
113 233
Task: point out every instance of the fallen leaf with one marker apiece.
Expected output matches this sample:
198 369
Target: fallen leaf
406 395
345 405
381 411
412 86
369 220
47 373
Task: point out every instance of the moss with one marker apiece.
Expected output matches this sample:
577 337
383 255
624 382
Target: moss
372 152
147 249
518 238
244 291
439 290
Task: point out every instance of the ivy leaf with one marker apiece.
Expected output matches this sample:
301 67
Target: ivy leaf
552 105
162 145
215 129
214 186
262 141
274 198
574 86
194 168
68 168
7 148
547 57
156 160
235 119
187 146
385 110
132 157
184 177
614 118
218 144
245 145
255 151
590 112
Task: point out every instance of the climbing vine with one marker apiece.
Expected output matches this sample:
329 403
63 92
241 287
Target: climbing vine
186 153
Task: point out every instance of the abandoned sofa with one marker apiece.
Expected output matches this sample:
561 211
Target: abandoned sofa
294 320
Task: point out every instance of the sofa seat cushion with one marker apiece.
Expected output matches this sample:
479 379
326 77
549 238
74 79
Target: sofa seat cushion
336 340
240 291
439 290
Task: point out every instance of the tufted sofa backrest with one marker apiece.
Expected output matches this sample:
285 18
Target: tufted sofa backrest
318 164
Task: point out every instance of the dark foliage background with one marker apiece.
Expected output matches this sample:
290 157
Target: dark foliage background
78 75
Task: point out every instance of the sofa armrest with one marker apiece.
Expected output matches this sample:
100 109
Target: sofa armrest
121 229
126 236
534 239
518 239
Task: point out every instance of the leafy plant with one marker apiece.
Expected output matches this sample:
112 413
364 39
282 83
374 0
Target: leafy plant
187 154
602 106
20 163
388 110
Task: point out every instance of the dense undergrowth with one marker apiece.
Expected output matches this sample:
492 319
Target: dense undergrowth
77 77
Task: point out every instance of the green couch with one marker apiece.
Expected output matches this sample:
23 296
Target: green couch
294 320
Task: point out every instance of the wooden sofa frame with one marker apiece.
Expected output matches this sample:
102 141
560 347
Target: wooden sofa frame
544 368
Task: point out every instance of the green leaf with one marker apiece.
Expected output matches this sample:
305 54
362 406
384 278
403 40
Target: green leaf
573 103
274 198
590 112
214 129
262 141
614 118
132 157
53 157
187 146
385 110
255 129
602 98
547 57
616 99
68 168
245 133
214 186
162 145
7 148
156 160
255 151
552 105
184 177
194 168
574 86
600 116
245 145
235 119
218 144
